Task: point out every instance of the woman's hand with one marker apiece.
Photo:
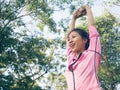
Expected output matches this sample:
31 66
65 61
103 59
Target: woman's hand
79 13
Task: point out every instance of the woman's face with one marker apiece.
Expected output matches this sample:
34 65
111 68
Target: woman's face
76 43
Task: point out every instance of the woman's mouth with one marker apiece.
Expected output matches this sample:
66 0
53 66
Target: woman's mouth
72 45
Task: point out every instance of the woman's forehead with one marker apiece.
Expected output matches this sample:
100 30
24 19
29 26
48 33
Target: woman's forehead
73 33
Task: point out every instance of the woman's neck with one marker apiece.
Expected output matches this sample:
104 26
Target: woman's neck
78 53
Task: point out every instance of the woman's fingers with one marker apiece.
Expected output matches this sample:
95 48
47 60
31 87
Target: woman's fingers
79 13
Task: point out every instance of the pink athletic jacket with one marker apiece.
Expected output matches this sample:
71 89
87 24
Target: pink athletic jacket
85 69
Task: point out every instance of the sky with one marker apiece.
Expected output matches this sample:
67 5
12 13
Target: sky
97 9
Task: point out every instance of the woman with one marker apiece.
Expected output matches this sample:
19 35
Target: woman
83 53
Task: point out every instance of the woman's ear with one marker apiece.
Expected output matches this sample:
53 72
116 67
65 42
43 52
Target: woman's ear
85 41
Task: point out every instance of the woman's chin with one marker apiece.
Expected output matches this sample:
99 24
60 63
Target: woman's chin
74 50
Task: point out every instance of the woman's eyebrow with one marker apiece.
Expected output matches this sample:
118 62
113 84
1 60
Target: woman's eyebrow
75 35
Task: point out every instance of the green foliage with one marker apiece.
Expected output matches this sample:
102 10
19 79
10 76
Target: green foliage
42 10
28 59
109 72
23 58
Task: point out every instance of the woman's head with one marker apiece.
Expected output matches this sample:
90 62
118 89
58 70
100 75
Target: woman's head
78 40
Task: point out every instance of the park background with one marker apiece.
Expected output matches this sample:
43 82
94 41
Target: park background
33 47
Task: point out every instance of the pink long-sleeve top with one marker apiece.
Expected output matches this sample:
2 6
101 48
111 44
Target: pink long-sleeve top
85 69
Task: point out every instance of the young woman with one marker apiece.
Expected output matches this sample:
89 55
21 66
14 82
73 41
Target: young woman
83 53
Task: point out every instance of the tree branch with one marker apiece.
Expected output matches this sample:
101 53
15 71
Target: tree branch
41 75
116 4
15 19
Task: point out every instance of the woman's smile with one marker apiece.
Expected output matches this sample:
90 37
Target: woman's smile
72 45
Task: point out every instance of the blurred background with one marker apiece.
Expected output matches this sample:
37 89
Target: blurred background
33 47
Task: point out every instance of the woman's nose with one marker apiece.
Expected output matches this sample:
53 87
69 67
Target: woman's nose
70 41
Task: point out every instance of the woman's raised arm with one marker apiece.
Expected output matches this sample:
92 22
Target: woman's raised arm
75 15
89 15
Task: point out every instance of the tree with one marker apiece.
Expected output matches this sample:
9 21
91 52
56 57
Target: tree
23 57
110 39
28 59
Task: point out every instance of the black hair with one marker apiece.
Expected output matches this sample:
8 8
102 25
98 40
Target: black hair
83 34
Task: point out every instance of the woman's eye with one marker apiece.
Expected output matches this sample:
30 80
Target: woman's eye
73 36
68 39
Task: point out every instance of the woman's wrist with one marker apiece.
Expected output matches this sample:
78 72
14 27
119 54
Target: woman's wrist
74 18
